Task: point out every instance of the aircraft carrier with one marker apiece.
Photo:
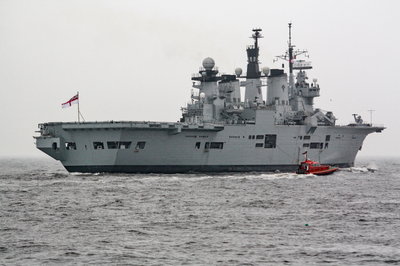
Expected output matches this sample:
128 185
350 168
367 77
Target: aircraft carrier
220 130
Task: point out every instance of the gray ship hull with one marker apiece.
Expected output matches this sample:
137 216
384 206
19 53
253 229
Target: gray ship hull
178 147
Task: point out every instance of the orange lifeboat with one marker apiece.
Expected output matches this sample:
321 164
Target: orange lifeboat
315 168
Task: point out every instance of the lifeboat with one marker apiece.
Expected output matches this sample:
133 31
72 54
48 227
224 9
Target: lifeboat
315 168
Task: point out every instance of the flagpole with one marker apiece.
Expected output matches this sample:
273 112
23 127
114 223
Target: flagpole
79 120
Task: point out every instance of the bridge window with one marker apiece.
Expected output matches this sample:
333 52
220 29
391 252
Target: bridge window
306 145
326 145
214 145
117 144
197 146
316 145
70 145
270 142
260 137
98 145
306 137
140 145
112 144
217 145
124 145
259 145
327 137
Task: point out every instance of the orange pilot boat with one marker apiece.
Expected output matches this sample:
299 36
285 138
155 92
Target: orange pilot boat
311 167
315 168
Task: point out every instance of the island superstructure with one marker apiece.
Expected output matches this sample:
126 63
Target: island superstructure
219 130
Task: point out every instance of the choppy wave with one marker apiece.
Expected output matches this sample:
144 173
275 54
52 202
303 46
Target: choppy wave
49 216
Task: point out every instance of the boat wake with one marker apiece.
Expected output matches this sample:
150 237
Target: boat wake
361 169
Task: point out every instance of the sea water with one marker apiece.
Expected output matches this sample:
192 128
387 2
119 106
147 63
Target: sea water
48 216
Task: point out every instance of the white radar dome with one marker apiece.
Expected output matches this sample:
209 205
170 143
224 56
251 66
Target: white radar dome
265 70
315 80
238 71
208 63
202 95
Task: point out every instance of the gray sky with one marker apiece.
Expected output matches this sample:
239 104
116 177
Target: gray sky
133 60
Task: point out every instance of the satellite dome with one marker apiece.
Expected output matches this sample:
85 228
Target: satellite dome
265 70
315 80
208 63
238 71
202 95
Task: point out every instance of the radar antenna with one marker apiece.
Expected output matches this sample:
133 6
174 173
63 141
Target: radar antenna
256 35
291 54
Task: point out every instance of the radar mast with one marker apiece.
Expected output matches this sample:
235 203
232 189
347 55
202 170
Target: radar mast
256 35
253 70
291 56
290 49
